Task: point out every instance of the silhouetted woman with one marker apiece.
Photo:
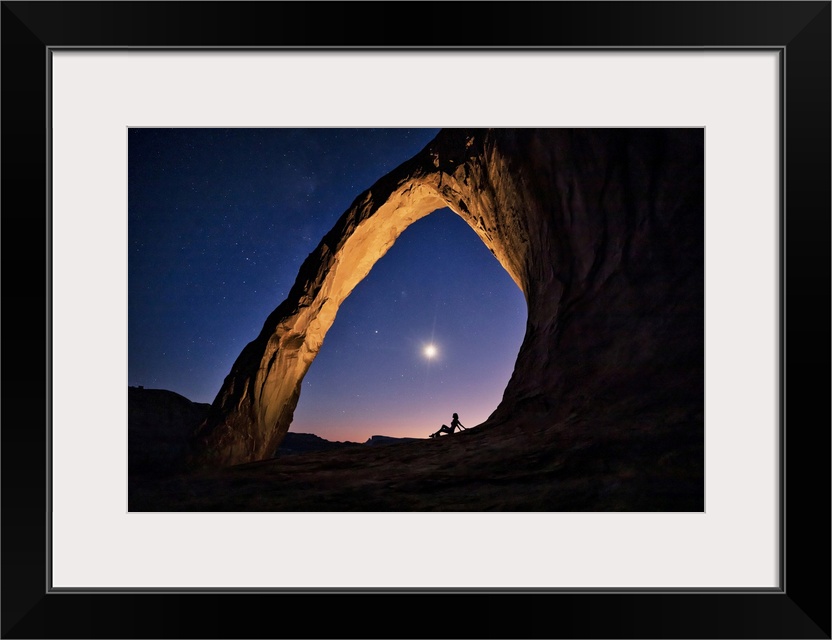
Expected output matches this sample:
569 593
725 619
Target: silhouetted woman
446 429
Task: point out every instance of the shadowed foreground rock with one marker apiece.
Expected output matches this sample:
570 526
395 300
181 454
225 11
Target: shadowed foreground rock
603 230
160 423
627 456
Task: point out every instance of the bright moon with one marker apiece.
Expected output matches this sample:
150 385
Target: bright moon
430 351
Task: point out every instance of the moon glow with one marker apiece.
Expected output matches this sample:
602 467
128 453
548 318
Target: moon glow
430 351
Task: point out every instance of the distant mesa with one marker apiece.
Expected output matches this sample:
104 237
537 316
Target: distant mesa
160 424
602 230
295 443
383 440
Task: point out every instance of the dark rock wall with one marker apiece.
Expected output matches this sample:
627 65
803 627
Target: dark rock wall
161 423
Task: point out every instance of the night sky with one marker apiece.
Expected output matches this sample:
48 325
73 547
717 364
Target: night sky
220 221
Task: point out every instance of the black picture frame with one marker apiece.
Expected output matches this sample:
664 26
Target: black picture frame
799 31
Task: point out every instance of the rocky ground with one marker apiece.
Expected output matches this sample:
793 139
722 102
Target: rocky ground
641 457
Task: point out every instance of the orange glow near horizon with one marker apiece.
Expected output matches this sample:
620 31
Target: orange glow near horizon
418 425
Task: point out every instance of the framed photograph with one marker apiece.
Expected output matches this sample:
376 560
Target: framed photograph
752 78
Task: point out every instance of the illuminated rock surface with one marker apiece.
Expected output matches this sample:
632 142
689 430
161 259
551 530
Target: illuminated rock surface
603 230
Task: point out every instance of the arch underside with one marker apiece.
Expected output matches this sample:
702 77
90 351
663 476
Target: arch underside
601 229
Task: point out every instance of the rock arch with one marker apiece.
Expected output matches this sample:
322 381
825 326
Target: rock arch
602 230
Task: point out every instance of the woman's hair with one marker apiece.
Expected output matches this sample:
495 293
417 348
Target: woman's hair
456 416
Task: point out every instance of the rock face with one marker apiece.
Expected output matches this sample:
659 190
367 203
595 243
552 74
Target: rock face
295 443
602 229
160 423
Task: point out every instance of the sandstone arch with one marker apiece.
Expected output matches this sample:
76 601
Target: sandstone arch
602 230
